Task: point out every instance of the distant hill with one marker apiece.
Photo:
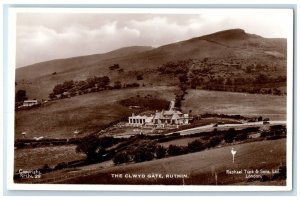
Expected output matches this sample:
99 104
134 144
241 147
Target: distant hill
218 52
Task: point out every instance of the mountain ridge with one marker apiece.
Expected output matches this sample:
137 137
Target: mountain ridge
228 45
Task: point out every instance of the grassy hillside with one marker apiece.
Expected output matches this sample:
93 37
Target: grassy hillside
233 103
36 158
90 112
86 113
231 46
200 167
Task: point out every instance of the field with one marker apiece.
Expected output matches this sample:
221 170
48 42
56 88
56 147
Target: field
36 158
200 168
180 142
90 112
86 113
252 105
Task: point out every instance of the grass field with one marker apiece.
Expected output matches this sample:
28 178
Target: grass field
252 105
201 168
180 142
59 119
36 158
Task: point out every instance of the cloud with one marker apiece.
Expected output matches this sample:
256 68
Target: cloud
46 36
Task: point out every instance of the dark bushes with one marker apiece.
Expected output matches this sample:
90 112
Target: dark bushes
121 158
230 135
160 152
214 142
196 145
175 150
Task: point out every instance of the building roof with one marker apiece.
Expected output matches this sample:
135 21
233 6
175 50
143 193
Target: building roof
171 112
139 117
30 101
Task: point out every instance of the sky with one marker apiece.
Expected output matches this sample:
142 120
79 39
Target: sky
42 36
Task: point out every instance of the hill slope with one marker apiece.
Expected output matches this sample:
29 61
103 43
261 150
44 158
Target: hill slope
228 46
200 167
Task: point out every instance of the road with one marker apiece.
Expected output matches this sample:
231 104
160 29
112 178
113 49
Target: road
210 127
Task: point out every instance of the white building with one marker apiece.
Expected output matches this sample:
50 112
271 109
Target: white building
137 120
29 103
170 117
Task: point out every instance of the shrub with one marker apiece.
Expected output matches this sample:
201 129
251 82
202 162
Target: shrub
160 152
242 136
21 95
141 155
230 135
121 158
265 134
139 77
20 145
196 145
144 151
174 150
117 85
214 142
113 67
94 147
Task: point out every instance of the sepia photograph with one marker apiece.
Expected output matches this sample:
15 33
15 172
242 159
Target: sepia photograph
152 97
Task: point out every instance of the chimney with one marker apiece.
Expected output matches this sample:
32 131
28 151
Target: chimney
172 104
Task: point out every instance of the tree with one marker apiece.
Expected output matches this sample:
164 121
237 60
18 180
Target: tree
195 146
160 151
174 150
249 69
242 136
51 96
21 95
183 78
121 158
139 77
214 142
82 85
144 151
261 78
228 81
58 89
94 147
117 85
194 82
230 135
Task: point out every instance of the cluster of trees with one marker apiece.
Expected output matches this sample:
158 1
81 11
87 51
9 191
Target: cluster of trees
140 77
72 88
275 132
21 96
260 83
114 67
95 148
179 67
148 150
145 150
92 84
258 68
206 77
